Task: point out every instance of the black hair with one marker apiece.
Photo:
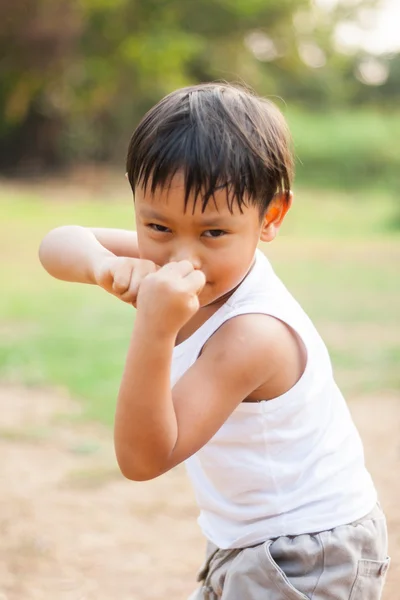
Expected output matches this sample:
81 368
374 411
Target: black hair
218 136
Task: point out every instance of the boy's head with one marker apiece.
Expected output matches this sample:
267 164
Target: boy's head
218 136
210 167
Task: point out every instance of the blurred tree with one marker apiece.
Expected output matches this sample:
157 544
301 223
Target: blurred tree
76 75
134 52
36 41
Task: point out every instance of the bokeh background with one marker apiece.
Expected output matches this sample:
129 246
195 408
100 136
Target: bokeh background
76 76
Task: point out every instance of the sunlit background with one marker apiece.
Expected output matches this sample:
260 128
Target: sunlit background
75 78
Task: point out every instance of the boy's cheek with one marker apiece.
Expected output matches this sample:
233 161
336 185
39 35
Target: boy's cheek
148 252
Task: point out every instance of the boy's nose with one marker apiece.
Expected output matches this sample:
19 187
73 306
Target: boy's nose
186 254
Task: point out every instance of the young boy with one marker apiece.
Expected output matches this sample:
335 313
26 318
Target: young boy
225 371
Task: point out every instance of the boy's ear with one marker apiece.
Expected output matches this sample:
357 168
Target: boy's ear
274 216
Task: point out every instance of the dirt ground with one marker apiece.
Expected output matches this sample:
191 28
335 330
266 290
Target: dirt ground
71 528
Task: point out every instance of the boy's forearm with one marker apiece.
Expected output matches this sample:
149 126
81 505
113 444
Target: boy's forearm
70 253
146 429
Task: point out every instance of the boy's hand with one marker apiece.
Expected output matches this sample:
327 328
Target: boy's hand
168 298
122 276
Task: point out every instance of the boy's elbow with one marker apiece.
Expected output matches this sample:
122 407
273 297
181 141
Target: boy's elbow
43 251
136 470
136 475
48 246
46 256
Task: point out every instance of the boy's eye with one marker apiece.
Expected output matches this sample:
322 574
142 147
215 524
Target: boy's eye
156 227
214 233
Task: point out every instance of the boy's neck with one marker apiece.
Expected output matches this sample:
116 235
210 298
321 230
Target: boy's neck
202 315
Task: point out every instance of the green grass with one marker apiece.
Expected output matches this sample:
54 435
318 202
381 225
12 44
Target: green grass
338 254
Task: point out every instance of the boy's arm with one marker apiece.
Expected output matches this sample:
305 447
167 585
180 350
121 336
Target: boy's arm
72 253
156 428
120 242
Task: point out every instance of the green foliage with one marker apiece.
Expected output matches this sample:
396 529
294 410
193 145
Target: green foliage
77 76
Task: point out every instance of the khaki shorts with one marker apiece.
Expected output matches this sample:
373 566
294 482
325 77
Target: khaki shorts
348 562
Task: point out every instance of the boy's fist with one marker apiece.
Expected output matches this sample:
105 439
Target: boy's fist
122 276
168 298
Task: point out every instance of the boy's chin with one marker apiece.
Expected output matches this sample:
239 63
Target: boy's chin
209 297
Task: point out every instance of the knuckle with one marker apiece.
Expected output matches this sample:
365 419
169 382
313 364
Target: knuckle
166 283
148 282
143 267
116 283
186 263
147 270
152 277
127 296
119 279
133 291
168 286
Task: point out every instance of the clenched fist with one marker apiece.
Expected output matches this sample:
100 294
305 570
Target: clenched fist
169 297
122 276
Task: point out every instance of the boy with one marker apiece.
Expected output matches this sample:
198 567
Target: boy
224 370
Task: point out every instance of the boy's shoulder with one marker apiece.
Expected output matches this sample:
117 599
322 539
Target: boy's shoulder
260 348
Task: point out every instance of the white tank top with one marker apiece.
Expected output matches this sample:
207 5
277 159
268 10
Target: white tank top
286 466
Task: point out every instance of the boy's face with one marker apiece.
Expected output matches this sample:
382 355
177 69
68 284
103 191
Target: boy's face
217 242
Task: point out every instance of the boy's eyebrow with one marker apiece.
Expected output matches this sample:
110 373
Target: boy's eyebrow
149 213
214 221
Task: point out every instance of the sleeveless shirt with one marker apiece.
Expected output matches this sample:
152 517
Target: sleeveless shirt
286 466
